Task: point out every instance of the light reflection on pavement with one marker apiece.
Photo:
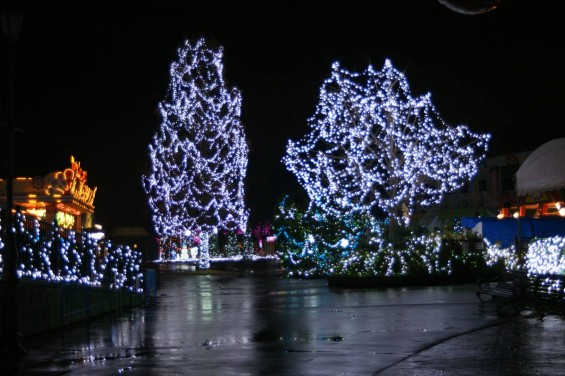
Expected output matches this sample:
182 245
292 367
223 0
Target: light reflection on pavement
270 325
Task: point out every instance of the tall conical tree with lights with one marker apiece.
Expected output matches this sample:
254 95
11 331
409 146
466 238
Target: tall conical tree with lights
374 147
199 154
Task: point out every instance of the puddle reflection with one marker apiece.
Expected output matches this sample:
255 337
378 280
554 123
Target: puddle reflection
218 325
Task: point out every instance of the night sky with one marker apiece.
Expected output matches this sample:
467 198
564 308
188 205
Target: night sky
89 78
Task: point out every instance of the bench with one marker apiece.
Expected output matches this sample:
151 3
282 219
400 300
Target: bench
547 294
507 288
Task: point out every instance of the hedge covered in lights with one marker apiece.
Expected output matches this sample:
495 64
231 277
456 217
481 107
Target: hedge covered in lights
543 256
312 244
546 256
75 257
315 245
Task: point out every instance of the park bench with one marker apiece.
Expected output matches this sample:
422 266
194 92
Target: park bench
507 288
547 294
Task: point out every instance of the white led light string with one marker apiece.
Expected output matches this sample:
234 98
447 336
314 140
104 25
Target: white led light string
199 154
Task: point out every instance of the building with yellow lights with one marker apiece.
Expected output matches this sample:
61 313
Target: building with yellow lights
492 193
60 197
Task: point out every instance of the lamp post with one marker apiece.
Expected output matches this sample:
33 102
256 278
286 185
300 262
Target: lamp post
11 23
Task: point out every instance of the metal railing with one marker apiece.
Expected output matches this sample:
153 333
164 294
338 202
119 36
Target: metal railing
80 301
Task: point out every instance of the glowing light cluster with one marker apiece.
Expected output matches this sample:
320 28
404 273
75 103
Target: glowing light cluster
373 145
74 257
199 154
546 256
357 245
506 257
419 255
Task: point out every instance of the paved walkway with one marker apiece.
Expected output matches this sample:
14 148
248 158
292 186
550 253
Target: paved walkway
227 324
525 346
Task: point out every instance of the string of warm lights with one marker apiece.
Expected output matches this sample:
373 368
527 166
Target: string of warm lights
199 153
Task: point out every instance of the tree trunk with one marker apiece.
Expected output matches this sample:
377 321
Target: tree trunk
393 229
204 262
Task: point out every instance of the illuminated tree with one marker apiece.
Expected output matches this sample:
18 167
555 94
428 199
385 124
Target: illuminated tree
199 154
374 147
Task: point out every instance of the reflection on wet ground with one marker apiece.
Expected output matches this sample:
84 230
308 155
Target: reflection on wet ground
524 346
271 325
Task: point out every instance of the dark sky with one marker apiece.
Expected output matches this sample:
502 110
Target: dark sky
89 77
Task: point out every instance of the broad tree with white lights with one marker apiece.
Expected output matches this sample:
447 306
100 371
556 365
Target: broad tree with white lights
372 146
199 154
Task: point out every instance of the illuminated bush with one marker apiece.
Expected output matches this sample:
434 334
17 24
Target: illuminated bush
314 245
503 258
74 257
546 256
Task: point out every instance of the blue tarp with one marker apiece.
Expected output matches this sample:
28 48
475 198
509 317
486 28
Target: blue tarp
506 230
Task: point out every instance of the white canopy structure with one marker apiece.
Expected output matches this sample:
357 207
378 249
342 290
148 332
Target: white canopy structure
543 170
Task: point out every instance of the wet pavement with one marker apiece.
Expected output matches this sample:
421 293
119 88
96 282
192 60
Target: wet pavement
258 324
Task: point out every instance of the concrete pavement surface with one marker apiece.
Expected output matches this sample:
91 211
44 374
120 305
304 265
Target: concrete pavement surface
260 324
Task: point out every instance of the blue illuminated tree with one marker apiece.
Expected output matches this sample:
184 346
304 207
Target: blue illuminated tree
199 154
373 147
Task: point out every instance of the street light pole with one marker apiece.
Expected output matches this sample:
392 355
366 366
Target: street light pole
11 23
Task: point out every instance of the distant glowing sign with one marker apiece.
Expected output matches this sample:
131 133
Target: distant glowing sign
72 182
